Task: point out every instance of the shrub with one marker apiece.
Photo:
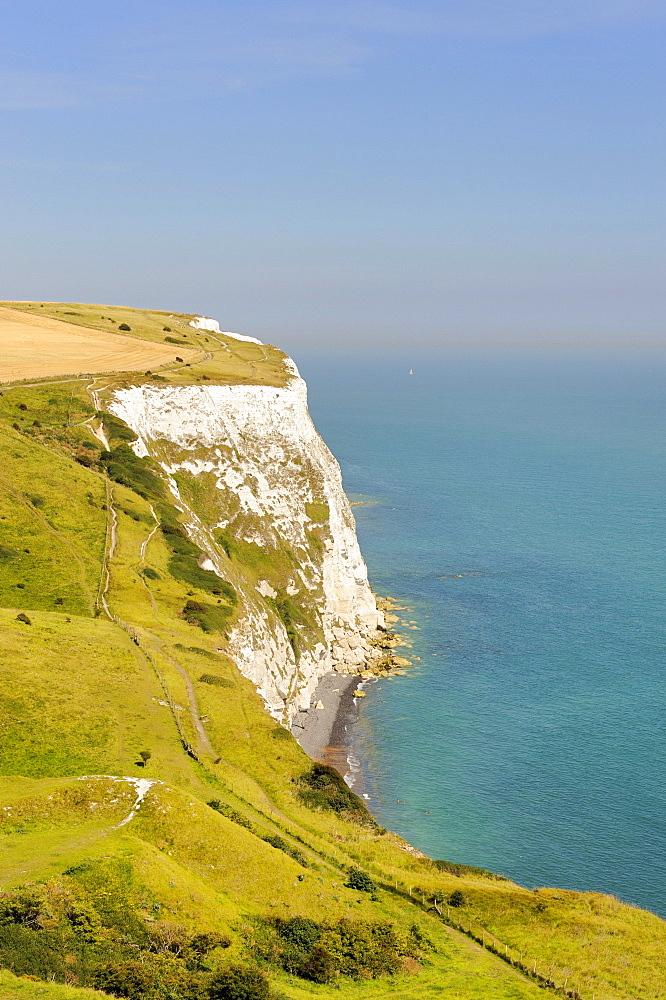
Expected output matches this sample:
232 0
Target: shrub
300 931
215 680
184 563
167 329
456 898
174 340
209 617
22 617
456 869
145 755
230 813
355 948
136 473
281 845
323 788
116 428
360 880
364 950
150 574
196 649
240 982
124 979
23 906
201 944
319 967
280 733
124 326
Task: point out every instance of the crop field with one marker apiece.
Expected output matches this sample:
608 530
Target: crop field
182 355
41 347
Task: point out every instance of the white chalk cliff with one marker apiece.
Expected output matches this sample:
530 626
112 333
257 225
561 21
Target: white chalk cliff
271 484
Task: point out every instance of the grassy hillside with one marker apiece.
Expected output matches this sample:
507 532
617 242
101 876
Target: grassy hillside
238 851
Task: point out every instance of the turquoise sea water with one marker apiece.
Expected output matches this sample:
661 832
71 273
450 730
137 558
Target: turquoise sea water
519 512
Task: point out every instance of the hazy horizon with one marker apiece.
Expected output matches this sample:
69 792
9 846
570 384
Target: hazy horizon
343 173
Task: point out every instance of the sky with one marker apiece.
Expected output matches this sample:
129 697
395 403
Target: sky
351 173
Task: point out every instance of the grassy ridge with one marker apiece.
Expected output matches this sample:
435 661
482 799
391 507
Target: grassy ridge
84 695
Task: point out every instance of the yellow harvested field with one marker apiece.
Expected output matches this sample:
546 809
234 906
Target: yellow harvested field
39 347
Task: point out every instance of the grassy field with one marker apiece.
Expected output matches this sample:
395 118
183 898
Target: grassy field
21 988
108 667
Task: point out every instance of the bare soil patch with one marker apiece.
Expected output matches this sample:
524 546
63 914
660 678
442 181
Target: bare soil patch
39 347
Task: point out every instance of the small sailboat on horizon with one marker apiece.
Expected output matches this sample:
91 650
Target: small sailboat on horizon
411 371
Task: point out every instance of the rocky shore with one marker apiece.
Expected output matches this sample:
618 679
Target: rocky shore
324 729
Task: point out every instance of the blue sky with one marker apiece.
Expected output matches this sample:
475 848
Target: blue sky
357 172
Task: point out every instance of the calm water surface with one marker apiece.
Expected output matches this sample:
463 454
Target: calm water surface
518 510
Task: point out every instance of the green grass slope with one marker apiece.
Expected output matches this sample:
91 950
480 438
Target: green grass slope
152 890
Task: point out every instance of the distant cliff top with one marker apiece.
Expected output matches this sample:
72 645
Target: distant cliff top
48 339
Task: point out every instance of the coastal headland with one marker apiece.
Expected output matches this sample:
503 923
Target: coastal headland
180 580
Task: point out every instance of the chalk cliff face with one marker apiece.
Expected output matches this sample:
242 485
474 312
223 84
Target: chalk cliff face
262 496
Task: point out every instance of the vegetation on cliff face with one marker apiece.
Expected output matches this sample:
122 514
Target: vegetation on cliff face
237 861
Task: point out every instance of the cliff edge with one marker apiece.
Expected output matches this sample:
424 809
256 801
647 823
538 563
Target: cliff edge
253 478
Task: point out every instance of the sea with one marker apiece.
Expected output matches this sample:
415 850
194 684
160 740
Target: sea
513 504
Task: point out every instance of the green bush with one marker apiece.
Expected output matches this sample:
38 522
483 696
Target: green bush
360 880
201 944
320 966
323 788
456 898
280 733
116 428
209 617
456 869
215 680
184 563
136 473
156 977
22 907
281 845
226 810
300 931
364 950
124 326
196 649
355 948
150 574
223 538
240 982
